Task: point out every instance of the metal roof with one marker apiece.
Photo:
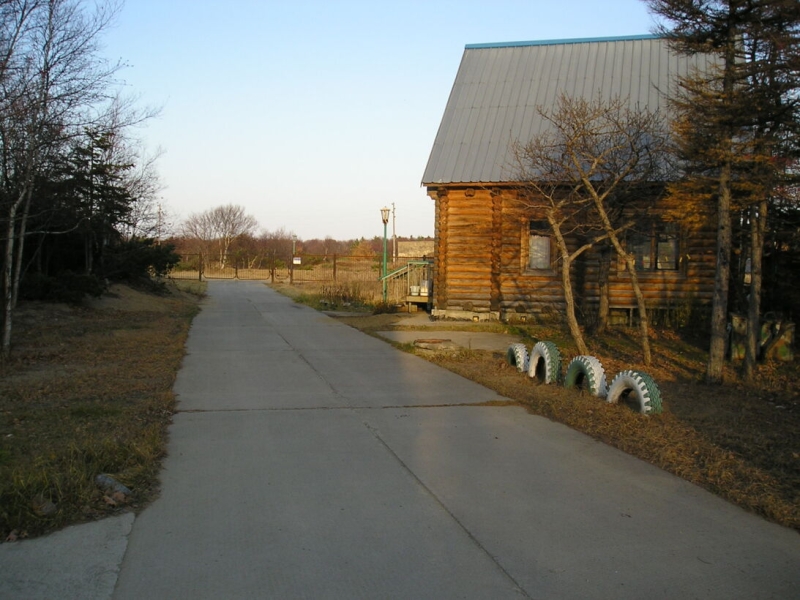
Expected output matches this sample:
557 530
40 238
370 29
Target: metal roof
498 88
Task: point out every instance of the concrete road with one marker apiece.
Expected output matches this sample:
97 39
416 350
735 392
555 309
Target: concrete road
311 461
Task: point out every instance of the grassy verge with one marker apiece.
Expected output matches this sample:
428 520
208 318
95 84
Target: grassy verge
343 297
88 391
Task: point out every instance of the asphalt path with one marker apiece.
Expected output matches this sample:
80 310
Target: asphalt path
308 460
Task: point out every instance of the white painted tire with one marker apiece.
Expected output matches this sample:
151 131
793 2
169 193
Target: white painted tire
544 363
586 372
636 389
517 356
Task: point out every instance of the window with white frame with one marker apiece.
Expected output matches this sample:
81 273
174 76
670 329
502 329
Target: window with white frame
539 242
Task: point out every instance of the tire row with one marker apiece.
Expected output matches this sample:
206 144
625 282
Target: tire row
586 372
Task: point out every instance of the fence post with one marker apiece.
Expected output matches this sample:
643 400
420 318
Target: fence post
272 268
200 268
291 269
334 267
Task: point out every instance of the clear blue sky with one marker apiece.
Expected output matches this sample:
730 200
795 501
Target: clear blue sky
315 114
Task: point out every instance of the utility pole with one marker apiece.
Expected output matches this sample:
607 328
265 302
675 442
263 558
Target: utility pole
394 234
159 217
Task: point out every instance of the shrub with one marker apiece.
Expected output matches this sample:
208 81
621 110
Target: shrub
66 287
384 308
139 259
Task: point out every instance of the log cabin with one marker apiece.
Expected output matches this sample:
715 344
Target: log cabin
492 261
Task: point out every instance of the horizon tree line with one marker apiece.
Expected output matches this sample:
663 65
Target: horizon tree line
230 235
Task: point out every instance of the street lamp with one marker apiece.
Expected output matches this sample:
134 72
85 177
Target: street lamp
385 219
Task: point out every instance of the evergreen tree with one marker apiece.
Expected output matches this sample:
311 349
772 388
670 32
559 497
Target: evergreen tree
102 201
736 131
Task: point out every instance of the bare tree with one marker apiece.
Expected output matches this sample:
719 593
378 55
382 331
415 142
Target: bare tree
148 217
277 243
220 226
546 192
585 171
198 227
230 221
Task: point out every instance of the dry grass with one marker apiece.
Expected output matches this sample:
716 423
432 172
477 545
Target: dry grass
87 390
738 441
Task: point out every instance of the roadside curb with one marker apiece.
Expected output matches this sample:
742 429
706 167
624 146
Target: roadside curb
79 562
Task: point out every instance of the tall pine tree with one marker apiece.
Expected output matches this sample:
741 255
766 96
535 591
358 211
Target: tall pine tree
736 131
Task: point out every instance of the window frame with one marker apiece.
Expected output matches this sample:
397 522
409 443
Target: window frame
537 228
652 236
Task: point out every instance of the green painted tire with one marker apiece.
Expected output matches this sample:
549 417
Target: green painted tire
586 372
517 356
544 363
638 390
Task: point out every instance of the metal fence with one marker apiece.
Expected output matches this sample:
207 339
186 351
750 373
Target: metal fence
345 276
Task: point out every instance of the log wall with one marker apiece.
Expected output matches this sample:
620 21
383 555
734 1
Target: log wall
481 257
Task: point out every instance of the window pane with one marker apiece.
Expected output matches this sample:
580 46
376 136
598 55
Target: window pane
639 246
657 251
667 251
539 252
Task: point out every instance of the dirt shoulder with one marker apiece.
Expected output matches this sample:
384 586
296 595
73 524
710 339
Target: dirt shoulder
88 391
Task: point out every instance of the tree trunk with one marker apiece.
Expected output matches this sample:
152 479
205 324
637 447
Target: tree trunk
644 325
8 274
87 254
758 223
630 266
18 250
719 307
224 247
569 298
603 309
